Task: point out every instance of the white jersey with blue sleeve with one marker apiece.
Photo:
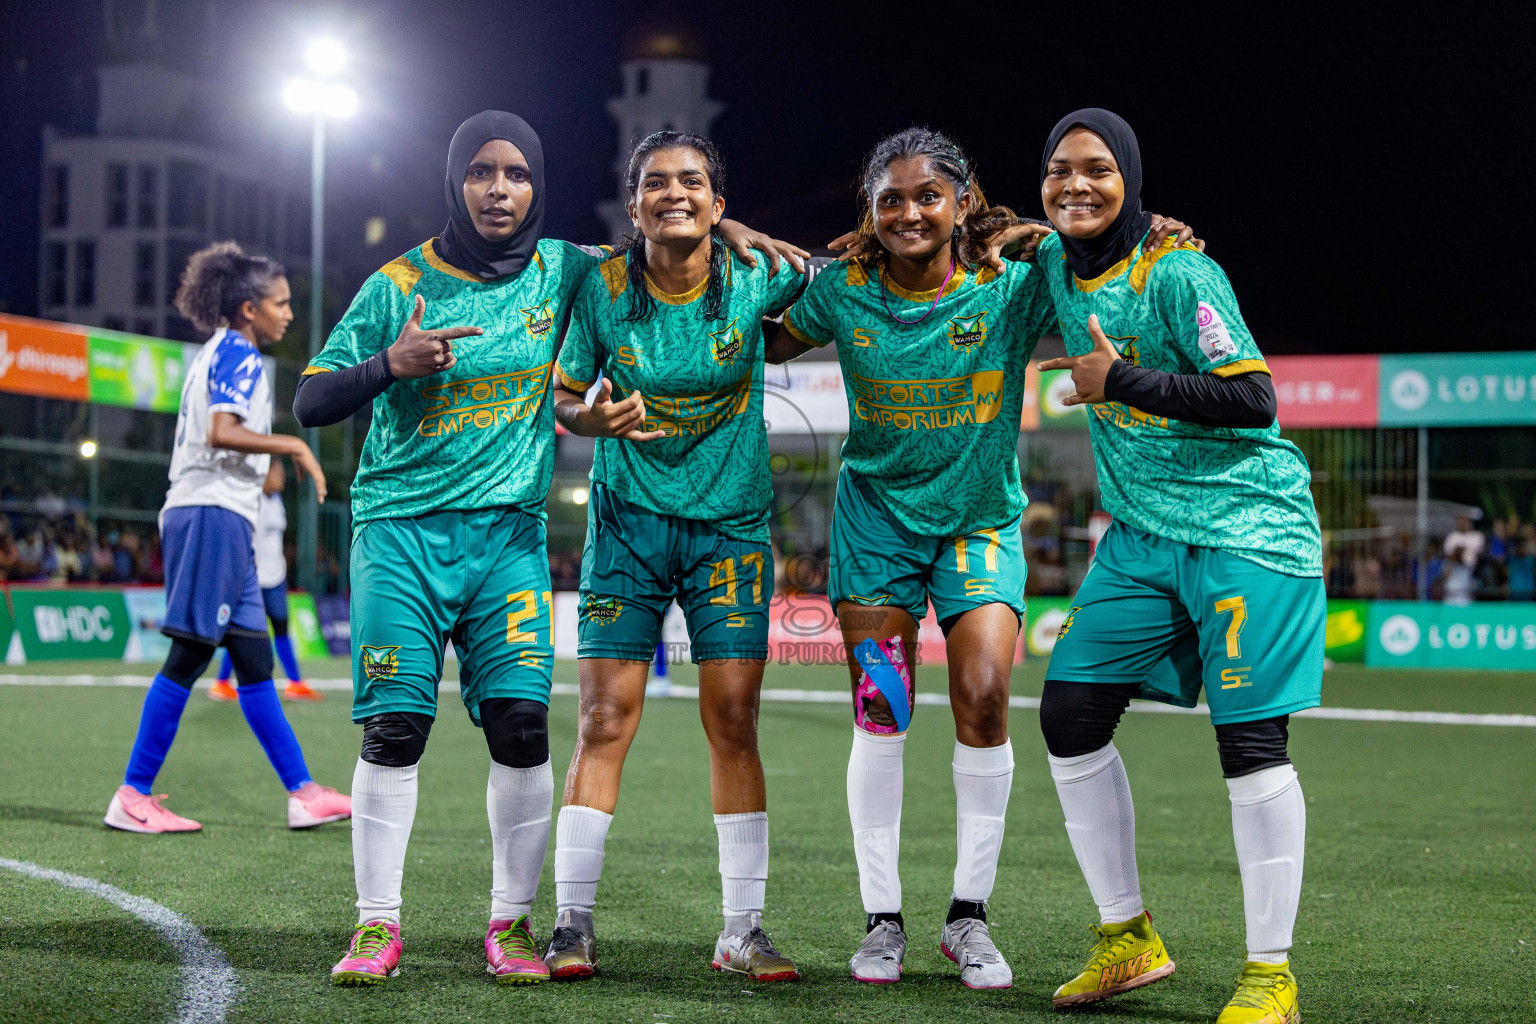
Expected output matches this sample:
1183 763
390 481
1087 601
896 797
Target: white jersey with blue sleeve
225 376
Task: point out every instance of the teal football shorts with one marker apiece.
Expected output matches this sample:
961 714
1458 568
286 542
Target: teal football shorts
479 578
877 560
1175 618
636 562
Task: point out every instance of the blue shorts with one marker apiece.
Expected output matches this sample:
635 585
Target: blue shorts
276 601
210 575
1175 617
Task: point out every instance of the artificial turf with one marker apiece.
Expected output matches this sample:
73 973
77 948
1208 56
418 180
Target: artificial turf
1418 906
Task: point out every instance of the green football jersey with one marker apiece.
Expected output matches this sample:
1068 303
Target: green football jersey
482 433
702 384
933 407
1243 491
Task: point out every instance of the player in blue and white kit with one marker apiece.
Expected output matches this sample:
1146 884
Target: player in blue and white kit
223 447
272 577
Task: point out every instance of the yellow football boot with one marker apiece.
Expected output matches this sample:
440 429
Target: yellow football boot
1266 994
1126 956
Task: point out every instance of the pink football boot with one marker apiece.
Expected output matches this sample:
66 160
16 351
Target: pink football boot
373 957
511 956
133 811
313 804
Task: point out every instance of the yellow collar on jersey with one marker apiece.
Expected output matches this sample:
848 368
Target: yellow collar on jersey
1139 273
680 299
929 295
436 262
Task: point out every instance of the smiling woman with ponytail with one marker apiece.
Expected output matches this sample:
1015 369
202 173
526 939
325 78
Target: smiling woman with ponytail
681 495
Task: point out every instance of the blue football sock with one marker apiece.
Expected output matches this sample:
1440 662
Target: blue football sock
264 714
226 668
284 645
163 706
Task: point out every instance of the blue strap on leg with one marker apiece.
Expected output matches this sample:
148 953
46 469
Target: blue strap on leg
887 680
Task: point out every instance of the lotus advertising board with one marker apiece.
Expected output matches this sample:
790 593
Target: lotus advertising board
1423 634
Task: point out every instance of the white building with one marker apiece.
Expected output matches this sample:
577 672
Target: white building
664 89
125 207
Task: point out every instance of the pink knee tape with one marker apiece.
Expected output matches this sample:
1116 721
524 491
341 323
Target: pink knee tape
867 692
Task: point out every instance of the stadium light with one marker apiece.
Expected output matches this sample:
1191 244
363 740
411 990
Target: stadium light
324 99
326 57
87 449
320 98
579 495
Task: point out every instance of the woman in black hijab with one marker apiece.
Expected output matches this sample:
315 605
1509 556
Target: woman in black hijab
1210 576
448 518
462 243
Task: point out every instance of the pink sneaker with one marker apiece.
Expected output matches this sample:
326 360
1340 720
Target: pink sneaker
373 957
313 804
133 811
511 956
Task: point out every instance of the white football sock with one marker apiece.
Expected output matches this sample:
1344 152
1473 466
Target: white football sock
1101 822
983 780
580 834
518 803
383 809
743 868
874 809
1269 825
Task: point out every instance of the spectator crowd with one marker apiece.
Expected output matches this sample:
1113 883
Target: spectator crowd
65 548
1466 565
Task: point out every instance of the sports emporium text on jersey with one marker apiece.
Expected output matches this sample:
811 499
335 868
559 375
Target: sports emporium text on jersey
482 402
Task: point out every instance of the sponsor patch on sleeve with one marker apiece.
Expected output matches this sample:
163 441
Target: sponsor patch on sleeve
1215 341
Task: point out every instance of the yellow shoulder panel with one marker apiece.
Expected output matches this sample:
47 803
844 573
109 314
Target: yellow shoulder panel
403 272
1242 366
616 276
1143 268
858 277
985 274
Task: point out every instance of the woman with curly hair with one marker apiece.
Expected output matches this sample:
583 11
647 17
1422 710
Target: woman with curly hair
223 447
933 334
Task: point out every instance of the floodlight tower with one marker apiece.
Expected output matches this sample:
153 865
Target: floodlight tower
322 97
666 88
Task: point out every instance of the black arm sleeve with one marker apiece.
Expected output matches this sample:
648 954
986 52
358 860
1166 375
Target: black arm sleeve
1244 400
326 398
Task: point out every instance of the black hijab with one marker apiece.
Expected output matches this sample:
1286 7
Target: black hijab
460 245
1090 257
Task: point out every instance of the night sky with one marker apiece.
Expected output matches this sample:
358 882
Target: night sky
1357 169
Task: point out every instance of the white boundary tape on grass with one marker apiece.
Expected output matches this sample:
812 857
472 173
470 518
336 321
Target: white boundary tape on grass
208 983
840 697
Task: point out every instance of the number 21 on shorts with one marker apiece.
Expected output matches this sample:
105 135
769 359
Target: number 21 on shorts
1232 678
525 607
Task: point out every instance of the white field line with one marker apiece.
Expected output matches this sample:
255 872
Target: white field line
208 983
838 697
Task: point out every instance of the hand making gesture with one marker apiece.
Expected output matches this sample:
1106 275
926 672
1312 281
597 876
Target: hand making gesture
421 353
623 419
1090 371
